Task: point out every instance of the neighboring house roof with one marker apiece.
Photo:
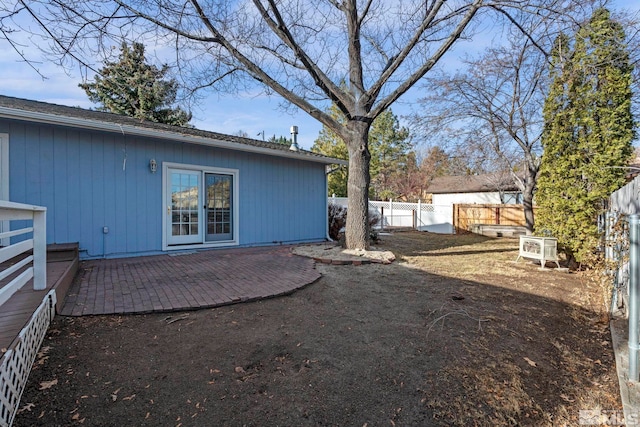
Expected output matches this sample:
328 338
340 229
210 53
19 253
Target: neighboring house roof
42 112
471 184
634 170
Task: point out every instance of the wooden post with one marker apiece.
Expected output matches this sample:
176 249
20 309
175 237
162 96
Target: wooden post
456 218
40 249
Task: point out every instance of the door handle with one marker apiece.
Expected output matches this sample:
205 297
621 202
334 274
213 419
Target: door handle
168 210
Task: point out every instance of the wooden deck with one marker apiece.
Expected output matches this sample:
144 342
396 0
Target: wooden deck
62 265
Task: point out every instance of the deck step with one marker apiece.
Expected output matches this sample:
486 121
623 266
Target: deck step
65 270
62 252
63 260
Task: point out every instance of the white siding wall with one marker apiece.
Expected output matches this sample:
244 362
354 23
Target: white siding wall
478 198
454 198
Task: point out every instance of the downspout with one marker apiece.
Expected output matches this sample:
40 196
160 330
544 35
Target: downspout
328 170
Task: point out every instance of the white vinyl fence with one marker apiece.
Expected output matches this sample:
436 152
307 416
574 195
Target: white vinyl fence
420 216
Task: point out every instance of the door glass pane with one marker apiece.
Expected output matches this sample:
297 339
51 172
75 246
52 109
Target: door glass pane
184 204
219 204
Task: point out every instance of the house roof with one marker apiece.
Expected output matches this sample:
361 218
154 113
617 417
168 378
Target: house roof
472 184
42 112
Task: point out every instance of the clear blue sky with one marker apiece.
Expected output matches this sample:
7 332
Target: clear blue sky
226 114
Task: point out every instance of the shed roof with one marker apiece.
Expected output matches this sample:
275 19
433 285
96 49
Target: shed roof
42 112
472 183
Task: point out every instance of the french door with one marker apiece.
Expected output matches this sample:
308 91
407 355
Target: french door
200 206
185 198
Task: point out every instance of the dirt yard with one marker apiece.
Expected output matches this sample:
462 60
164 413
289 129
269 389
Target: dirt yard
453 332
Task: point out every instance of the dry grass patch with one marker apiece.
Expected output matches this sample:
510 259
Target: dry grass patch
461 256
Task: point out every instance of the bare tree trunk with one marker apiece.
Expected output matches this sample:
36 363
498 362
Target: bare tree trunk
527 201
357 229
527 196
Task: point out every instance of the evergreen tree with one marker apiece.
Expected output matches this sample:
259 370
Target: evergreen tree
131 87
330 144
280 140
587 135
389 146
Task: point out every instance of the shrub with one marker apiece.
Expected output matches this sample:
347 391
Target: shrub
374 219
338 220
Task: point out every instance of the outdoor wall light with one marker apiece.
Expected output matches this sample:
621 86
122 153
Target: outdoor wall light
153 166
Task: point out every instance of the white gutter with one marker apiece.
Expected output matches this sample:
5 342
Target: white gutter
33 116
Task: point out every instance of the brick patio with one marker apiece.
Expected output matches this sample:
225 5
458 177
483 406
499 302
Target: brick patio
186 281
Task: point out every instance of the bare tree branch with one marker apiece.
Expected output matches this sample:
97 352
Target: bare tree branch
259 74
397 59
279 27
522 30
420 72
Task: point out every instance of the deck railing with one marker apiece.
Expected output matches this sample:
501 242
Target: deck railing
32 266
26 249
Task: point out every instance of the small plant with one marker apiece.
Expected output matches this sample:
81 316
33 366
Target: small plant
337 220
374 219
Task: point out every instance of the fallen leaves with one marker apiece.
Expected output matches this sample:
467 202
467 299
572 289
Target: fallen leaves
213 371
28 407
42 356
76 418
44 385
114 394
530 362
170 319
567 398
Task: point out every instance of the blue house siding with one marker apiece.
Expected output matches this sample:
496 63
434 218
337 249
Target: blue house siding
94 179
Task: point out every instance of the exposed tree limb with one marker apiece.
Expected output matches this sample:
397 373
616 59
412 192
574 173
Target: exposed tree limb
420 72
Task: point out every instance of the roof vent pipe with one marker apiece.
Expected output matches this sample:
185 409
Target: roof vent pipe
294 139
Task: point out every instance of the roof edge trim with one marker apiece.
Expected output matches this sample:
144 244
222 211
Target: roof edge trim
125 129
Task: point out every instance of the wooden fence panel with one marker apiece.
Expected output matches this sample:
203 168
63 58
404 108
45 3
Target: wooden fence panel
466 215
512 215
